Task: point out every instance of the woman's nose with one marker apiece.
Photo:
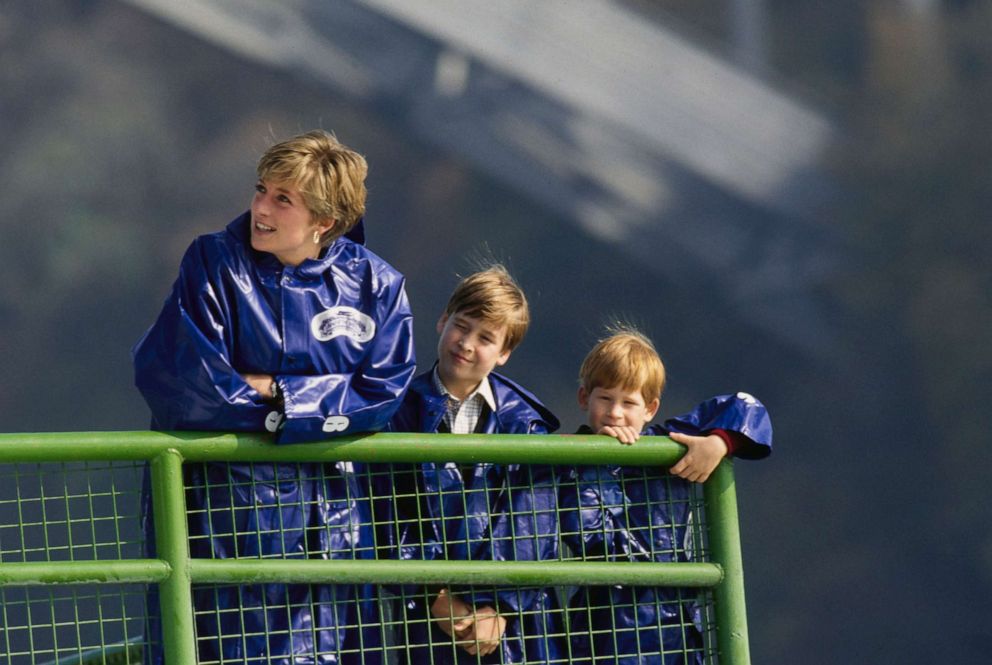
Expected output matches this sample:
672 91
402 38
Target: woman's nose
260 204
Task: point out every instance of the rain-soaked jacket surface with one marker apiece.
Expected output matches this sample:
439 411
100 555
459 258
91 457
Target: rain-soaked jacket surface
642 514
335 333
488 512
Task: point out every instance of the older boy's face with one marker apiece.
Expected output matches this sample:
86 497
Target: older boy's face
469 349
281 223
616 407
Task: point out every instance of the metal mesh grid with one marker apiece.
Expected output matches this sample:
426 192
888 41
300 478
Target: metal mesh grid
70 512
56 512
92 511
48 625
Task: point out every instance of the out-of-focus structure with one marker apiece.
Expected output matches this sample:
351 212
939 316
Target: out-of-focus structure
596 110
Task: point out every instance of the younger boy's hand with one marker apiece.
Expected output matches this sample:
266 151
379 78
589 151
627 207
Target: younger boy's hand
702 457
453 615
625 434
486 632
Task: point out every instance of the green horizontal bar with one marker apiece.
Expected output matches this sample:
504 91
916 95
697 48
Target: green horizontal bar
504 573
83 572
381 447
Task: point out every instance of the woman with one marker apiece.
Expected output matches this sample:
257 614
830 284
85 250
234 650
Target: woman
283 322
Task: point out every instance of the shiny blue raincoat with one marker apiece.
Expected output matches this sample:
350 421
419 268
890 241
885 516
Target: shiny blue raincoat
336 333
643 514
481 512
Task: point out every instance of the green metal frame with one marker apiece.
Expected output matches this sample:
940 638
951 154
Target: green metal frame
175 571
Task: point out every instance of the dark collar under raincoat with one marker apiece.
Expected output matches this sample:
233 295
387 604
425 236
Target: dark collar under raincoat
336 334
483 512
643 514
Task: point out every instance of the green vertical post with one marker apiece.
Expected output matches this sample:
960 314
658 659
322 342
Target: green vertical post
725 549
175 594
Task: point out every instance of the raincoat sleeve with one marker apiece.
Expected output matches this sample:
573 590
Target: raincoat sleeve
182 364
739 412
362 400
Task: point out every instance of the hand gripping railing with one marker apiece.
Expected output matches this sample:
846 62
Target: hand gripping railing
174 571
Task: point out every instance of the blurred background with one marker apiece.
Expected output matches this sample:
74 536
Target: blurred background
787 196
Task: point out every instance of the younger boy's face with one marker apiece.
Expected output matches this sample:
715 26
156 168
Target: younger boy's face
616 407
469 349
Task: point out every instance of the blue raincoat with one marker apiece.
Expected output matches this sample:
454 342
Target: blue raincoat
336 333
643 514
481 512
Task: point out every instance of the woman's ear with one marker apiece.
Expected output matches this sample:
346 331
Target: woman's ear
325 224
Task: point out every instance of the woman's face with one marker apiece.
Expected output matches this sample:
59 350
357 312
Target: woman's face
282 225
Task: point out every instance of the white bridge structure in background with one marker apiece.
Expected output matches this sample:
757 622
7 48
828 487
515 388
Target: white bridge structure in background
603 114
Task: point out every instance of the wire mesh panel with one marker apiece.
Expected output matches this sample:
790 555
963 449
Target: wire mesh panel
542 513
629 514
69 512
71 624
485 562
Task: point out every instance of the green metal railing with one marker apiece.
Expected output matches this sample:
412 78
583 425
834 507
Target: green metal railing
174 571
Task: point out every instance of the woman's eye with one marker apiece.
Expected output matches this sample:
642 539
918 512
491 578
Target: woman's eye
260 188
284 199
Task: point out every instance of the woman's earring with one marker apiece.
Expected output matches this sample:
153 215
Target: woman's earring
316 237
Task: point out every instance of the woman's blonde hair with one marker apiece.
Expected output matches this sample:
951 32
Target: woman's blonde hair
329 175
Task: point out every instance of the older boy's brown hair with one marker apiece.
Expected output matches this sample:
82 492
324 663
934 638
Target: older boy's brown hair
626 359
329 175
493 296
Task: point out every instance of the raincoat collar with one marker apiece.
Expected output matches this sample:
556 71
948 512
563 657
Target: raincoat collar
309 268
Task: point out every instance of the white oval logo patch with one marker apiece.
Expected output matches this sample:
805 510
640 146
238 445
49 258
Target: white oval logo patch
342 320
336 424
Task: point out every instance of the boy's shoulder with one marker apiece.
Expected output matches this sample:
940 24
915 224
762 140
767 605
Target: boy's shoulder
517 405
518 411
734 412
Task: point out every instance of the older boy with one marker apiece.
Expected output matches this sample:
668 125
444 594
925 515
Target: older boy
642 514
482 511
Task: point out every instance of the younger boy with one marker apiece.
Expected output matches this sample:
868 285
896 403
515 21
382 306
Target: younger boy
482 511
640 513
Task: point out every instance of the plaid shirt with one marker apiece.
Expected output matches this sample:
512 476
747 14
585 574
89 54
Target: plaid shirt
462 416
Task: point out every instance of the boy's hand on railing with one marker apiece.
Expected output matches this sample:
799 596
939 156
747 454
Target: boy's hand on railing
625 434
487 631
453 615
702 457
